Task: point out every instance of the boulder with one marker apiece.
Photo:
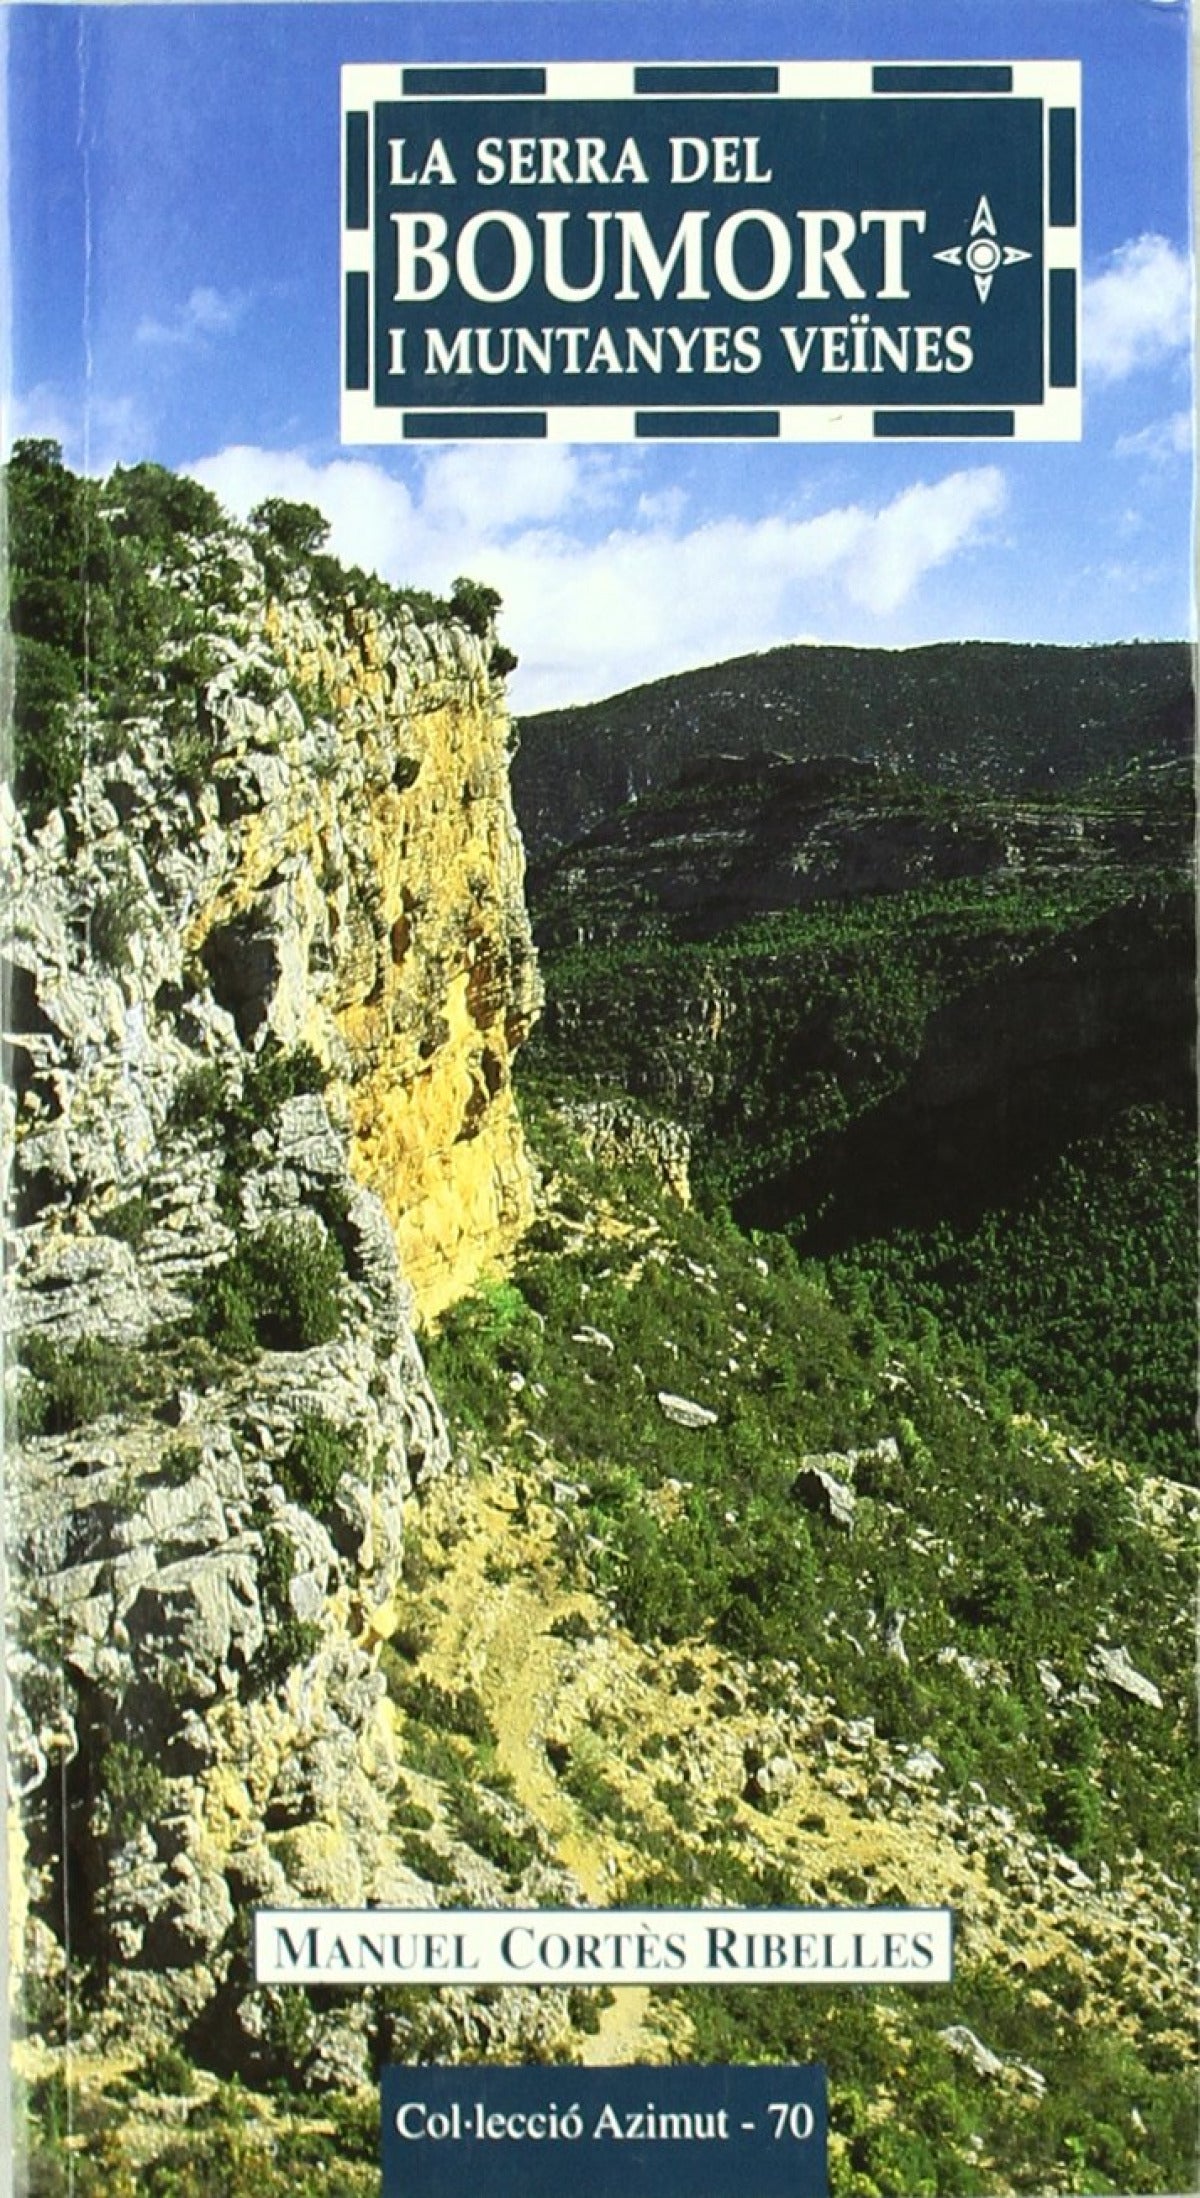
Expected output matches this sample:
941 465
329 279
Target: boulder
820 1490
684 1411
1114 1665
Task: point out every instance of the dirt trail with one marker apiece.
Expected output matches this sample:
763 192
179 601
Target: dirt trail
494 1632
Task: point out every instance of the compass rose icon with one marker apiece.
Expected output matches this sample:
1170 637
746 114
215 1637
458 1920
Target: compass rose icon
984 253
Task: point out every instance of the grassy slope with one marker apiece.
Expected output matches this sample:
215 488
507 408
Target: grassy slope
1007 1550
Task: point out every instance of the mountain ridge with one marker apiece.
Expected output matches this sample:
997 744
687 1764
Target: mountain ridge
1017 716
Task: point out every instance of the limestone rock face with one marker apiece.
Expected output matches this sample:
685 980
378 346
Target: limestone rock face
376 909
616 1134
259 1020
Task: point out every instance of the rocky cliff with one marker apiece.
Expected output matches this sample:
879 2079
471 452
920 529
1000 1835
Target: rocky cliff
370 901
744 836
267 964
433 992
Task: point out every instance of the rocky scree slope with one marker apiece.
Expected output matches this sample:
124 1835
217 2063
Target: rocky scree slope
265 972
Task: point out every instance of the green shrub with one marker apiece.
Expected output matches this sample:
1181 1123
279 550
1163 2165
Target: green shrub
585 2005
479 1343
179 1463
68 1385
168 2072
116 918
661 1592
225 1310
678 1803
277 1567
275 1074
1073 1812
134 1790
157 507
318 1458
128 1221
900 1706
428 1861
436 1755
195 744
486 1831
406 1813
288 535
410 1636
269 1078
587 1782
572 1625
475 604
280 1291
52 2103
261 683
96 610
289 2031
47 740
288 1641
426 1703
49 514
198 1097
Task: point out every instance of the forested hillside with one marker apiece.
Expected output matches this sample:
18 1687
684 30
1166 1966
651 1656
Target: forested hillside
985 717
897 1018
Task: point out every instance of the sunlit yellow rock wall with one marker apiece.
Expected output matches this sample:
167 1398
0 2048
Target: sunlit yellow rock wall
375 909
434 1126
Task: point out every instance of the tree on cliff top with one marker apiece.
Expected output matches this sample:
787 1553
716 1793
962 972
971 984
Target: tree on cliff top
476 605
96 611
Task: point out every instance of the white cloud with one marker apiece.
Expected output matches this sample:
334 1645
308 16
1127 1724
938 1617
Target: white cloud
1138 311
591 607
207 313
508 484
95 434
921 529
371 515
41 414
642 602
1161 441
666 505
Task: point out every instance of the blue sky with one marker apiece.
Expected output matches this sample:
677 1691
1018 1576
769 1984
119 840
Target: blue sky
174 188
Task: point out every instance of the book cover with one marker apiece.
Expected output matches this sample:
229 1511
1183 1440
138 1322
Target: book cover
597 1010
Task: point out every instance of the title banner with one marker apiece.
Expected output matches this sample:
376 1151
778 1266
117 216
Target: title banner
569 1946
801 251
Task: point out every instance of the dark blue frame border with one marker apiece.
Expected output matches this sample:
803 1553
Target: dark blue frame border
906 77
662 80
944 424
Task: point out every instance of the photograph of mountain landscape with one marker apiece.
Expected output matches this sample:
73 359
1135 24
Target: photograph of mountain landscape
600 1267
